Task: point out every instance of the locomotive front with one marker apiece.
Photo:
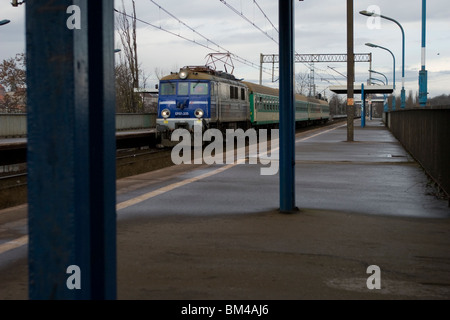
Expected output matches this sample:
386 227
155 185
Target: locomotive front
184 102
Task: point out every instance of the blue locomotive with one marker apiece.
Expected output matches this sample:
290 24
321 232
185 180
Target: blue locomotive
201 96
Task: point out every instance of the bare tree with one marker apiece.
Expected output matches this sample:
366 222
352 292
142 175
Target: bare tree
335 103
13 81
441 100
159 73
124 89
410 101
302 83
128 71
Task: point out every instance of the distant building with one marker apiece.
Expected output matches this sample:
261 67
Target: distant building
149 98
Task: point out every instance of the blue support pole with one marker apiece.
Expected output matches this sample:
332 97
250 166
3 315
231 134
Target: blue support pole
287 104
363 107
402 91
423 86
385 105
71 151
102 98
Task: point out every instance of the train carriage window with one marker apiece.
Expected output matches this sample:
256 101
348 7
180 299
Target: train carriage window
259 102
199 88
167 88
234 92
183 88
242 94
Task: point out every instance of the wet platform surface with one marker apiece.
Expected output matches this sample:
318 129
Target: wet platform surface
372 175
214 231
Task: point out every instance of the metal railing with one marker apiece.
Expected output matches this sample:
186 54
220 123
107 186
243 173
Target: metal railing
425 134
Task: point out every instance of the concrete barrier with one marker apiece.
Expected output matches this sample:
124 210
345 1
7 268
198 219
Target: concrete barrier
131 121
425 134
14 125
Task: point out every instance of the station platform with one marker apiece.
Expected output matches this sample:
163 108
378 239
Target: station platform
214 232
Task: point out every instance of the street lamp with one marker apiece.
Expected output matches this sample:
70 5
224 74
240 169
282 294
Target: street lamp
393 69
370 70
370 14
3 22
375 79
393 57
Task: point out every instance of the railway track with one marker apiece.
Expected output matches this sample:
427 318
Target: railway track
129 162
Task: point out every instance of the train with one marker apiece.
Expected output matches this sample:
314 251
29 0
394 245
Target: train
202 96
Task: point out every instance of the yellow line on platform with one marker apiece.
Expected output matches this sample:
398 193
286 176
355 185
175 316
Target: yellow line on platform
128 203
125 204
13 244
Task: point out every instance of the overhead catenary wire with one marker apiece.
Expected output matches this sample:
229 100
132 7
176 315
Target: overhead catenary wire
265 16
243 16
207 46
247 19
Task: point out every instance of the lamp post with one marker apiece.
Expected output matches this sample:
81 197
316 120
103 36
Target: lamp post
402 93
3 22
370 70
393 69
385 105
375 79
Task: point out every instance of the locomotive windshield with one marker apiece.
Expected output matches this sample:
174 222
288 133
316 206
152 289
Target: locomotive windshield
184 88
199 88
168 88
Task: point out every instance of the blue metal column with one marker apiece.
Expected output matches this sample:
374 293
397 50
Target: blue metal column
71 205
363 107
423 73
385 105
287 104
402 91
102 126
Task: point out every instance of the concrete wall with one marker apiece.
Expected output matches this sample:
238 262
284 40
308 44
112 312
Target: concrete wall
425 133
130 121
15 125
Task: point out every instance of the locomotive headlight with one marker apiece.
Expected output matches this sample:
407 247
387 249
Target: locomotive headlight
165 113
183 74
198 113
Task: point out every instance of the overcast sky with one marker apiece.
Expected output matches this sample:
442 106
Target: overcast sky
320 27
